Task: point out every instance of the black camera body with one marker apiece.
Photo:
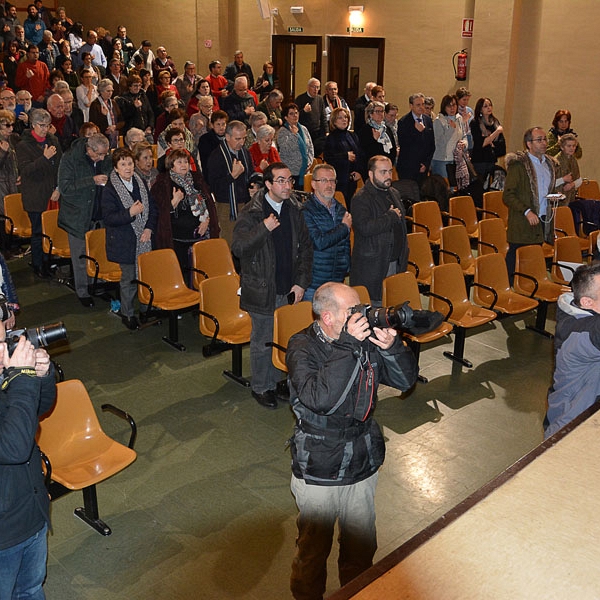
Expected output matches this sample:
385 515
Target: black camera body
40 337
396 317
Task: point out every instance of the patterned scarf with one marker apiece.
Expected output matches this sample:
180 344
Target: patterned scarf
249 168
384 138
462 170
127 201
193 198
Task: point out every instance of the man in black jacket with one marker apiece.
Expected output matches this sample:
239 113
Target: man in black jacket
272 243
312 114
28 391
335 366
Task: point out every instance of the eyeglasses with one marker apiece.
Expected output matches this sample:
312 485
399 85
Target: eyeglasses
379 110
7 98
7 125
284 181
323 180
539 139
177 140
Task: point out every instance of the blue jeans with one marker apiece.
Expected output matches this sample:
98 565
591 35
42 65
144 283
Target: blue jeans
23 568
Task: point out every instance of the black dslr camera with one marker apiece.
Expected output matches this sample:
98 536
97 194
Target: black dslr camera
40 337
401 316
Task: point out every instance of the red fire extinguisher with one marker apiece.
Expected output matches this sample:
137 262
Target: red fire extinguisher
460 64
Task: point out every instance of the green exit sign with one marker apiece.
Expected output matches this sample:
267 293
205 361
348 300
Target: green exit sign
295 29
355 29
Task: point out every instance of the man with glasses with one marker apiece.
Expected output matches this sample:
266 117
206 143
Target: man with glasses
82 175
380 242
329 226
33 75
529 179
273 246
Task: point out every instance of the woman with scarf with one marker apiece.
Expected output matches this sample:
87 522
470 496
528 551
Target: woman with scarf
262 152
488 139
106 113
295 144
130 217
267 82
375 137
561 124
449 130
344 153
187 212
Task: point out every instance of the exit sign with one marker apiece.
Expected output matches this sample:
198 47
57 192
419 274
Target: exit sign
295 29
355 29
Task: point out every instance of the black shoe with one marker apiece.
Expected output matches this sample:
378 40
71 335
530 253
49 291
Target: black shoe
130 322
282 391
87 301
41 272
267 399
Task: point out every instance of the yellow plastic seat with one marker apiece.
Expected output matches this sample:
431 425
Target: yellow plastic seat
426 216
98 267
593 239
161 285
308 182
564 225
494 206
55 241
222 320
456 248
463 208
492 237
531 279
16 220
363 294
288 320
211 258
491 288
399 288
566 249
80 454
589 190
448 295
420 257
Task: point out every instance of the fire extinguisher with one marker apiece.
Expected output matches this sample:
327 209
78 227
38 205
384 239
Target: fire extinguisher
460 64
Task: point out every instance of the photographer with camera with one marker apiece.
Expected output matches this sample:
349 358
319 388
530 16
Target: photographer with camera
335 366
27 390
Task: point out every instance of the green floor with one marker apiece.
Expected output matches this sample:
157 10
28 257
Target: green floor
205 512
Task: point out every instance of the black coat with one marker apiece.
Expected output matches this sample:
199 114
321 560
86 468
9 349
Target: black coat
416 147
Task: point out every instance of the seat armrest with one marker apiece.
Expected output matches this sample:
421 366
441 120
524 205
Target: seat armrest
125 416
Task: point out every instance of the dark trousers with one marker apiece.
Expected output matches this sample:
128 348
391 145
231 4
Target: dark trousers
37 254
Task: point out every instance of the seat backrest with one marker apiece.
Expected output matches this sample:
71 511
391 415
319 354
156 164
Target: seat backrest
401 287
455 239
95 246
463 207
563 220
492 231
530 260
448 281
58 236
419 252
219 297
161 271
70 426
307 182
428 213
363 294
490 270
340 198
13 208
589 190
213 257
566 249
492 201
287 321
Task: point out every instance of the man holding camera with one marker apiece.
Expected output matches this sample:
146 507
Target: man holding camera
28 390
380 242
335 366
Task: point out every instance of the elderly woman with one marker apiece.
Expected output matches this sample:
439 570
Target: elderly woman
561 125
130 217
257 120
199 122
187 212
86 93
177 118
87 58
488 139
144 162
202 90
448 130
175 139
38 156
262 152
375 137
135 106
568 179
295 145
164 83
106 113
344 153
428 106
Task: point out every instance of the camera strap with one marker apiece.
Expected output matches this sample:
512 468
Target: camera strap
347 388
12 372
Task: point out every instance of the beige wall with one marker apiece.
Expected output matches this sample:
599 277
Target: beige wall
531 57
